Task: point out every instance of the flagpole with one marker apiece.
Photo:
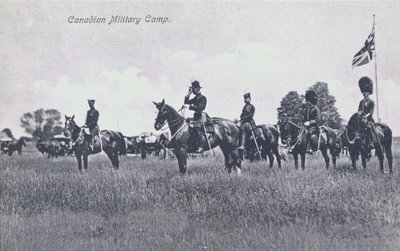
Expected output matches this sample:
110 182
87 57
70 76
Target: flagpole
376 76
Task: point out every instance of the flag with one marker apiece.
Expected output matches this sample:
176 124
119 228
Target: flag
364 56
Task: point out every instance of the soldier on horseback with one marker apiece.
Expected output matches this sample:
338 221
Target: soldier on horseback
92 117
247 125
198 105
311 119
366 110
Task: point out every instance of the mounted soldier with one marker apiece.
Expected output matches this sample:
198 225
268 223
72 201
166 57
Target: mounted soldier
311 120
92 118
366 110
198 105
247 124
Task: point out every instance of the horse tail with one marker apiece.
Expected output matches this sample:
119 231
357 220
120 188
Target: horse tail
122 145
387 137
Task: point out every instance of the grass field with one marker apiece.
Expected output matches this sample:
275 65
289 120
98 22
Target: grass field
49 205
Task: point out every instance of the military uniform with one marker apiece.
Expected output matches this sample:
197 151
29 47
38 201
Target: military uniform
246 118
366 109
198 105
92 117
312 115
247 123
311 120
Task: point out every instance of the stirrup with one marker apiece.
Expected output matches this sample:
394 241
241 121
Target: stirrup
241 148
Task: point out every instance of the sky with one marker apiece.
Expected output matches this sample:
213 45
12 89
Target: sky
267 48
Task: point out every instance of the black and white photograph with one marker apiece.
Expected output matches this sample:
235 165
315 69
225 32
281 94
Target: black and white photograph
199 125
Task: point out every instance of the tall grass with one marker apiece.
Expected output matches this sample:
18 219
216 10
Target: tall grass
49 204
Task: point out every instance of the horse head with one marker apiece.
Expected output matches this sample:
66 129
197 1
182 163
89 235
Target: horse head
71 129
162 116
21 141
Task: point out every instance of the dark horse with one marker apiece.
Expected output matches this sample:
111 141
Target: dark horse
295 136
16 145
356 139
112 142
226 136
267 147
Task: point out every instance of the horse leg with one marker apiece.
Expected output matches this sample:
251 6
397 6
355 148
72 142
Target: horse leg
379 153
364 159
296 160
277 155
181 155
228 165
79 160
85 161
353 160
303 160
236 161
335 154
324 152
271 159
389 157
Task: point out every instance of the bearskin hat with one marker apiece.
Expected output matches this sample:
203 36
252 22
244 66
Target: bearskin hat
366 85
311 96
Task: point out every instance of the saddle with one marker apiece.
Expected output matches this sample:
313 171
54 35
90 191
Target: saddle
205 121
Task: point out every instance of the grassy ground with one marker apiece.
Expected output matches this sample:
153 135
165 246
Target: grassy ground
49 205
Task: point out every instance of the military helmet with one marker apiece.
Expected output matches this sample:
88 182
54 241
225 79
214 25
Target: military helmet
91 101
247 95
311 96
280 110
366 85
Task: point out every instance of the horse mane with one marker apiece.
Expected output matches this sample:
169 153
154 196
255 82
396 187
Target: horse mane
353 121
170 108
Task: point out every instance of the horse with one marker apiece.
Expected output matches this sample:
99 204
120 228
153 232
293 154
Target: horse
295 137
16 145
356 139
226 136
111 142
267 146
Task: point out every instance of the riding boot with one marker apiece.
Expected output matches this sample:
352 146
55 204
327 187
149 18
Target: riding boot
91 144
309 150
243 141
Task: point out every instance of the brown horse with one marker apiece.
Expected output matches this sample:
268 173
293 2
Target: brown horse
112 143
16 145
267 146
226 136
356 139
295 137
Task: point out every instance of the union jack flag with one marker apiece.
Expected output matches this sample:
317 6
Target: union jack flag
365 55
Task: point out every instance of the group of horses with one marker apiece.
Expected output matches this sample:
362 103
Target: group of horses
226 135
53 148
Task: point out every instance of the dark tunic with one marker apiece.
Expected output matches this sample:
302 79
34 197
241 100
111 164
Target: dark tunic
367 106
312 115
247 117
197 104
92 117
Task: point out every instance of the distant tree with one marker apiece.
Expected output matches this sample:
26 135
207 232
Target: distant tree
326 104
293 106
42 123
8 133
